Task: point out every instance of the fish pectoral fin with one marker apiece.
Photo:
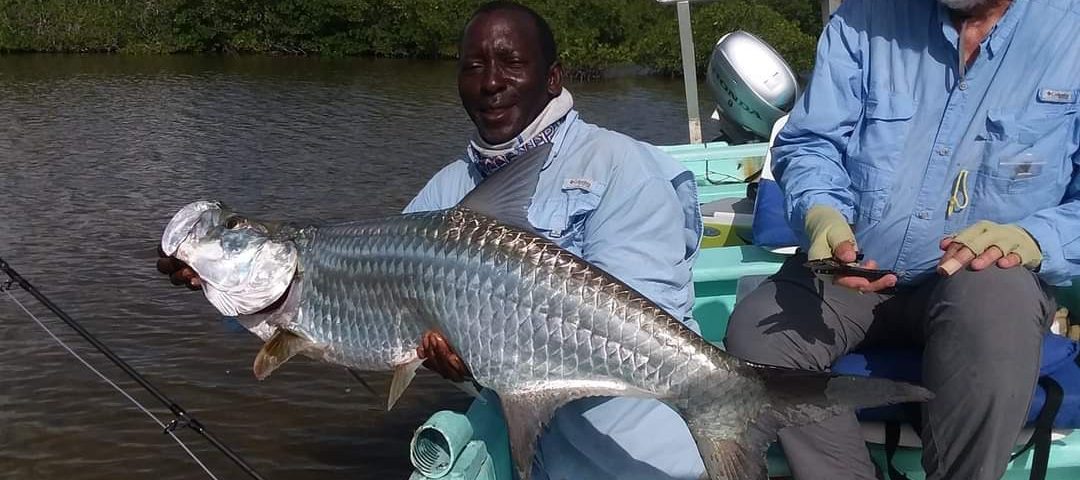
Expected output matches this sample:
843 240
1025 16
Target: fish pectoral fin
528 411
278 350
403 376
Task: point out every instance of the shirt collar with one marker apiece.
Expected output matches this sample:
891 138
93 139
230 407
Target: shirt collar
557 142
999 36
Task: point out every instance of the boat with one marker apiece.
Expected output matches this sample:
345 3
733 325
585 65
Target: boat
473 445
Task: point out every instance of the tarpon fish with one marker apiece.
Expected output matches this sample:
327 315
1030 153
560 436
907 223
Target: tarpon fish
534 323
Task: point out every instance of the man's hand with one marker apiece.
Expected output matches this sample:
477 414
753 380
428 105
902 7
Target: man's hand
846 253
440 358
831 236
827 229
987 243
179 272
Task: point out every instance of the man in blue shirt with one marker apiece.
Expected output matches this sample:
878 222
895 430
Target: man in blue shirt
618 203
940 140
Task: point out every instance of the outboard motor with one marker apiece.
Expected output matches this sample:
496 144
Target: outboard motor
753 87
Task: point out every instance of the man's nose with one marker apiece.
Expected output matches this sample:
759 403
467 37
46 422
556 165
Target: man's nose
493 80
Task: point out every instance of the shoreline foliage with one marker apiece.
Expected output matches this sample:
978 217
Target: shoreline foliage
593 35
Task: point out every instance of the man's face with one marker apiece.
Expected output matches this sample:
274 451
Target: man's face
503 79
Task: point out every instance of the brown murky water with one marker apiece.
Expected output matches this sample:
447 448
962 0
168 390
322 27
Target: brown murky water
97 152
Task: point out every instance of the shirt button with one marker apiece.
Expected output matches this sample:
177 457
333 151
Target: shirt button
943 151
963 85
923 215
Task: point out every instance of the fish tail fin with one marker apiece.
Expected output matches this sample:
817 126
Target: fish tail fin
774 398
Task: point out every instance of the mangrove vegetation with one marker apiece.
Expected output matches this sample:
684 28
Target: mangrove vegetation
593 34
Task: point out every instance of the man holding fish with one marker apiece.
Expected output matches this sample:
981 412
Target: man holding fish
618 203
940 139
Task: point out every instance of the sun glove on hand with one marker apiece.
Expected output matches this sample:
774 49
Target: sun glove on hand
1009 238
826 229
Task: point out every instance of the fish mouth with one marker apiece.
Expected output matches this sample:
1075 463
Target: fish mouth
243 267
200 216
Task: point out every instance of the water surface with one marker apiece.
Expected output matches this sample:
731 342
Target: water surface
97 152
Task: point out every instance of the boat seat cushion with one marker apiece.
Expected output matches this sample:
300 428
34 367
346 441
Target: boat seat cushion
1059 362
770 227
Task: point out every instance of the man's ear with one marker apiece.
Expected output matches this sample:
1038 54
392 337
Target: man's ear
554 79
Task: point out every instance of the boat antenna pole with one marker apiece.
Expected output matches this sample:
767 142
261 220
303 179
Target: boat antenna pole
827 9
182 418
689 63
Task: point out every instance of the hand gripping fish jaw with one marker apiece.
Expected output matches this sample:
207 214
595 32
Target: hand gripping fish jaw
245 265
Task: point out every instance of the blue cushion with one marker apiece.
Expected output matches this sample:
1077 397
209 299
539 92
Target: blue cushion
770 228
1058 362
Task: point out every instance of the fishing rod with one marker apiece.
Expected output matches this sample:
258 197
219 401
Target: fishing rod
182 418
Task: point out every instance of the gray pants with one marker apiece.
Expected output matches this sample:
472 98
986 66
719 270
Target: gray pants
982 337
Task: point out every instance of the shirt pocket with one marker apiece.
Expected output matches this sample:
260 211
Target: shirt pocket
870 186
1027 151
562 216
884 127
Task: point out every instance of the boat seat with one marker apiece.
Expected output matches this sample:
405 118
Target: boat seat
1060 364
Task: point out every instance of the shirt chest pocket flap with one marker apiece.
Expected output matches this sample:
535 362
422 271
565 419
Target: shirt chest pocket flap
562 214
884 126
1027 150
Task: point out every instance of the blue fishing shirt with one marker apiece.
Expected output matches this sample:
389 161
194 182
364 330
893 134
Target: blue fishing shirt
889 128
633 211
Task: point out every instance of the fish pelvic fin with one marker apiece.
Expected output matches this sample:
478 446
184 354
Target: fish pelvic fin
734 428
527 411
403 376
281 347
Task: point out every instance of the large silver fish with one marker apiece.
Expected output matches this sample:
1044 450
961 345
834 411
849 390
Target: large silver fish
536 324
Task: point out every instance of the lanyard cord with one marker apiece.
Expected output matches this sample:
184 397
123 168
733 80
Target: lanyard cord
959 199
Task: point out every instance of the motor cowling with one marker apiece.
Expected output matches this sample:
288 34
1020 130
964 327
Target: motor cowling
752 84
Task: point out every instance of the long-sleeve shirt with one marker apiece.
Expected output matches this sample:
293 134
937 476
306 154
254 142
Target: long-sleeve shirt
891 127
633 211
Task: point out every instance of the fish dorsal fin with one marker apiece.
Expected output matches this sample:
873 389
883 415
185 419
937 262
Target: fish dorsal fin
278 350
526 413
403 375
507 193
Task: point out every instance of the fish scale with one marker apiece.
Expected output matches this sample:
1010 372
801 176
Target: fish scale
438 265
